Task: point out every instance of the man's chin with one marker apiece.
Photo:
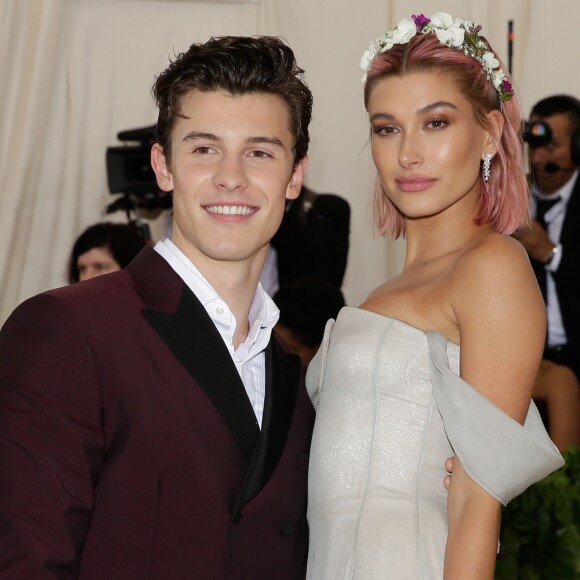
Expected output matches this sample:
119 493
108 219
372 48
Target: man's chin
540 179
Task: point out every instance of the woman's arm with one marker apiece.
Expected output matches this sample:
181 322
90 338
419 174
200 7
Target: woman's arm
501 320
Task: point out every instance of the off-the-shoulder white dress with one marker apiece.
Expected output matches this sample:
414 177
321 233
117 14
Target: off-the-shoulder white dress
390 409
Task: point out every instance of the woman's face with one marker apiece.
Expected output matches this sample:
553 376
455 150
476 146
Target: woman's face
426 143
95 262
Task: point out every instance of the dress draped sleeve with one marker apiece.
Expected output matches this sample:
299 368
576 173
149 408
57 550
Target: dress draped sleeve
498 453
315 372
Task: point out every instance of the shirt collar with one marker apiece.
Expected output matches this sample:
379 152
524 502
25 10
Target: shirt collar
263 311
563 193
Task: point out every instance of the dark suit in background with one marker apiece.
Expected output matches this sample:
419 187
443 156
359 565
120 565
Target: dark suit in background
313 240
554 158
126 433
567 282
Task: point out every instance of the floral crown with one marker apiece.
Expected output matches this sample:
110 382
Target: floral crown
458 34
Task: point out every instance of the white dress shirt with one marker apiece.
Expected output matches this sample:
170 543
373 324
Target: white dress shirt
249 357
554 221
269 277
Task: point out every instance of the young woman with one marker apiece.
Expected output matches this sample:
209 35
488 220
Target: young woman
440 360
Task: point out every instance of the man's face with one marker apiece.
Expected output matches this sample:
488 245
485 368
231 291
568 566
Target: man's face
557 152
231 171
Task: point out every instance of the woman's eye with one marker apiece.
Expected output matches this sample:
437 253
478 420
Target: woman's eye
437 124
385 130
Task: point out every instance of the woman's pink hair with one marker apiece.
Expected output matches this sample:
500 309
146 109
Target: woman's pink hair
505 197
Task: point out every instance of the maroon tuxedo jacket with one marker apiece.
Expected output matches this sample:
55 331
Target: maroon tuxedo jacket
129 449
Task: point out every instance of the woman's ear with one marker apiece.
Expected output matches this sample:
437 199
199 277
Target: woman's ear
493 133
161 168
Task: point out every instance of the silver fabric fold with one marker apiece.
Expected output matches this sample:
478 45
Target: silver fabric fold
498 453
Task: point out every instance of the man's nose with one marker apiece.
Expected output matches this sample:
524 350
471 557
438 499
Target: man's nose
231 173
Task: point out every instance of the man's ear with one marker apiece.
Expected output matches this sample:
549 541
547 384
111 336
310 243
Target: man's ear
296 179
161 169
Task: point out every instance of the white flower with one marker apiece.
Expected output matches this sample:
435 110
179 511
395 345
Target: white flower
387 42
489 61
452 36
366 59
441 20
466 24
404 31
459 34
497 78
370 55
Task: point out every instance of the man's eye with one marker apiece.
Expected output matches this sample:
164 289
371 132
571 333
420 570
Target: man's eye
203 150
260 154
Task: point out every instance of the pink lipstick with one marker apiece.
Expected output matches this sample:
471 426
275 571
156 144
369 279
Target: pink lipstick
415 183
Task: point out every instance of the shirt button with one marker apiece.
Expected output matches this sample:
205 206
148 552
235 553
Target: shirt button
219 310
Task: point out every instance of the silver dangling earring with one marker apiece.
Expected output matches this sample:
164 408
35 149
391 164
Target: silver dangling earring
487 166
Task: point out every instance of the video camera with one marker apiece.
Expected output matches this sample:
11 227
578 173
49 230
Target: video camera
537 134
129 173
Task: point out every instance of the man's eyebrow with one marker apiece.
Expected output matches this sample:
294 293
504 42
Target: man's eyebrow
256 140
201 135
267 140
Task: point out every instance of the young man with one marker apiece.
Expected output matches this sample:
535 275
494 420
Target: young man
150 424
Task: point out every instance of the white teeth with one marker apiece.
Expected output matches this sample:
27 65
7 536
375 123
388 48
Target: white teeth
230 209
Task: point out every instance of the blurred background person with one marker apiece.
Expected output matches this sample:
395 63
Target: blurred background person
102 248
312 242
306 304
553 245
553 241
558 389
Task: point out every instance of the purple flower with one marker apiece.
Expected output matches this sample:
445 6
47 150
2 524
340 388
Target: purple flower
507 86
420 21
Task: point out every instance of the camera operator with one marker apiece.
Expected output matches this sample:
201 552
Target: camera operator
553 244
312 242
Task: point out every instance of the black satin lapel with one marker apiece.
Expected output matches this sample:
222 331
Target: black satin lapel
195 341
570 225
282 381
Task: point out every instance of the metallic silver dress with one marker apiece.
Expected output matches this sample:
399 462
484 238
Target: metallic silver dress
390 409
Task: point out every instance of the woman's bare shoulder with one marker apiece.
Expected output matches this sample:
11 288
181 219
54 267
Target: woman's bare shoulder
495 256
495 277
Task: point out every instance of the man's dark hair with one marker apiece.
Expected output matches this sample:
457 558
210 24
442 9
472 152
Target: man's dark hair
124 241
237 65
559 104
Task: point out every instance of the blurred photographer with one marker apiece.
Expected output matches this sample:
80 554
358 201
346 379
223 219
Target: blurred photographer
553 244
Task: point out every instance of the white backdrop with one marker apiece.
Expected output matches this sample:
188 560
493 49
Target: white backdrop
76 72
